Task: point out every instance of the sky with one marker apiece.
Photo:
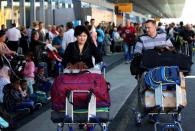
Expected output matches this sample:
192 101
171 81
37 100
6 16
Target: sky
189 11
187 16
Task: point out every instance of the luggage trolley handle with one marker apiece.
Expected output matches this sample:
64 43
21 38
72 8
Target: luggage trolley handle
70 104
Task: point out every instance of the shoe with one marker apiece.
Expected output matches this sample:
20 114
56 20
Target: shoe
38 105
49 98
128 62
153 118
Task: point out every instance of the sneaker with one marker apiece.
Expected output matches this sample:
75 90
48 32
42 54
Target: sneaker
49 98
128 62
153 118
38 105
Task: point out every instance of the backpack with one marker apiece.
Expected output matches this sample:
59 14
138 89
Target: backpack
92 82
163 75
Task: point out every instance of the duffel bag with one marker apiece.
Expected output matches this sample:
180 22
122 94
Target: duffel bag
154 58
162 75
92 82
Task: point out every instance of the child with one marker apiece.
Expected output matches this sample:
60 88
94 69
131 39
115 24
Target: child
24 88
42 82
28 72
13 99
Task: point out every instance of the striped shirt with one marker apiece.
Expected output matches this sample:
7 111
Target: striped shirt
146 42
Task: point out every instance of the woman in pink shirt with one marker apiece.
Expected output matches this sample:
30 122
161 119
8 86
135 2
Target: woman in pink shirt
29 71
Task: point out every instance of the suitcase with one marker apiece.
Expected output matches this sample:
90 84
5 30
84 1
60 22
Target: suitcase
95 83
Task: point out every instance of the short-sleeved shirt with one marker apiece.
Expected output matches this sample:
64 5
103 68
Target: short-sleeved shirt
146 42
128 34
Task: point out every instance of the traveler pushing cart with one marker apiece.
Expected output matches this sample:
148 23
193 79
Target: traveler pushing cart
81 97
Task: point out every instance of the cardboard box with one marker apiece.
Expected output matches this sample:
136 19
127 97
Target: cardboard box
183 82
169 98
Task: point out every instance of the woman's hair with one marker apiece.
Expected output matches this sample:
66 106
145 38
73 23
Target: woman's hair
2 33
81 29
30 55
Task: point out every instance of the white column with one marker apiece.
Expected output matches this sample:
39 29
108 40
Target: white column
32 11
10 5
42 11
22 13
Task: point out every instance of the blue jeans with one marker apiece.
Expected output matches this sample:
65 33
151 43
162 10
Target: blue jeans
25 104
127 50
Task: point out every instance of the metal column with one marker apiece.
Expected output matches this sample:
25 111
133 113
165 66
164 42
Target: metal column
42 11
78 11
22 13
58 4
10 5
32 11
49 14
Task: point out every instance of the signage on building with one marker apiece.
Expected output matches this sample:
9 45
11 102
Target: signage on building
123 7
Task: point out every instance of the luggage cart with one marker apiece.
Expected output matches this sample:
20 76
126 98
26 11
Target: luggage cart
90 121
91 117
159 110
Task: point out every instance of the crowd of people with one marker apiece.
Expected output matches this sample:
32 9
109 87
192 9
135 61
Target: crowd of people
45 49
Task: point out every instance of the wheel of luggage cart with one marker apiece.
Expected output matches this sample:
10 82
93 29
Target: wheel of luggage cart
167 127
137 118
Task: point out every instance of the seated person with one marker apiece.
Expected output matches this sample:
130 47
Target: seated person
13 99
4 80
24 89
82 50
41 81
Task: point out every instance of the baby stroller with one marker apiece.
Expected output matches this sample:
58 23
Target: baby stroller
161 91
81 103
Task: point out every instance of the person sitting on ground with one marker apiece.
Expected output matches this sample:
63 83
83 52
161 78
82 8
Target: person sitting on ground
41 81
82 50
13 99
4 80
24 88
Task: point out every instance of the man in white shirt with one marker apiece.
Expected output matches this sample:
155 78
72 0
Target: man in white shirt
68 35
13 35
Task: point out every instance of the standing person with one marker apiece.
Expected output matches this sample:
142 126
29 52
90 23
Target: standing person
57 42
82 50
189 36
128 35
36 46
42 32
29 72
100 39
24 41
152 39
13 36
68 35
92 22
